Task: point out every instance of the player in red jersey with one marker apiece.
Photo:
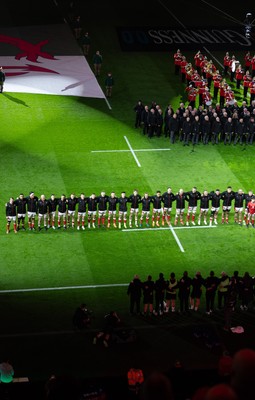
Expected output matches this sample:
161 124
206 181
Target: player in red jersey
251 212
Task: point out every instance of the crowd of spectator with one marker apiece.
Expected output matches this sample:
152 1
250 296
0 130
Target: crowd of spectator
183 294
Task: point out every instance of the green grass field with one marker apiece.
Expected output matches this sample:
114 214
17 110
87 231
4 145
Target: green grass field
47 145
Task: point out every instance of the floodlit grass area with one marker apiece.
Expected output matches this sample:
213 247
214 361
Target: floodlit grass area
51 144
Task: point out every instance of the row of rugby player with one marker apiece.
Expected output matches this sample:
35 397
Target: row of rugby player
113 209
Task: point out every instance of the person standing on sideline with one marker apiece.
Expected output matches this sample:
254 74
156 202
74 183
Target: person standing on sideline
160 287
211 284
138 109
85 42
97 61
134 292
148 290
2 79
109 82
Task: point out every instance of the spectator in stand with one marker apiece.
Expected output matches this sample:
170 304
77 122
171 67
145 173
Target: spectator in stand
223 286
246 291
196 292
184 285
134 292
148 292
160 287
81 317
6 375
157 387
243 374
171 292
211 284
220 391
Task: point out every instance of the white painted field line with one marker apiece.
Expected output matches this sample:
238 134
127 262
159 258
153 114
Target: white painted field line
110 151
176 239
126 151
51 289
167 228
132 151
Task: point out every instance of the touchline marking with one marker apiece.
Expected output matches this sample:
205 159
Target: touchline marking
164 229
126 151
130 150
51 289
172 229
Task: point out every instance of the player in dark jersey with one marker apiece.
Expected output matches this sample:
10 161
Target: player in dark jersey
21 204
227 197
112 209
52 208
62 209
193 196
102 201
215 198
168 197
180 206
82 205
71 209
157 211
92 210
204 207
31 210
42 206
239 198
146 209
11 215
135 200
123 200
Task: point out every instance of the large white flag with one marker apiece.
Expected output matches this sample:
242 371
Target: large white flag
47 60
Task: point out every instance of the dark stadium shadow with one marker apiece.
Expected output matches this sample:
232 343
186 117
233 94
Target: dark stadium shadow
15 100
